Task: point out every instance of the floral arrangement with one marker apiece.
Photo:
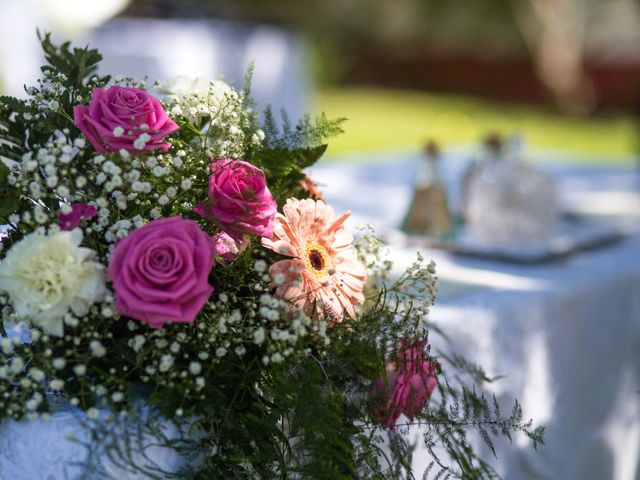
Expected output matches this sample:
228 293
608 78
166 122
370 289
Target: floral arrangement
165 248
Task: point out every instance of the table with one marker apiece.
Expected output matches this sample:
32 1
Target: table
566 335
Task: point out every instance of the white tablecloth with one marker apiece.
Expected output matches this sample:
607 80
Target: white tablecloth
566 335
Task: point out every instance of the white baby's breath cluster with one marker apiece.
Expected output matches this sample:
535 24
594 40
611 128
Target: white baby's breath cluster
217 109
44 97
189 360
373 253
413 293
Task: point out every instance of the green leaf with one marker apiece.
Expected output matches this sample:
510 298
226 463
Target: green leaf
280 161
8 194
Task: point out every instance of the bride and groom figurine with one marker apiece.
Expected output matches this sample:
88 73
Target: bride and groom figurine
504 199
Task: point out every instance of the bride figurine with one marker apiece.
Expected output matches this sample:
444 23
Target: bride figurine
428 212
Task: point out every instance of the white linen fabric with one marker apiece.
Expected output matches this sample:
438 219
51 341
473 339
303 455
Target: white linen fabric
59 449
565 335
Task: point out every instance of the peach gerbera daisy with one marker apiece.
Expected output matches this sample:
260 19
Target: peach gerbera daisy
324 276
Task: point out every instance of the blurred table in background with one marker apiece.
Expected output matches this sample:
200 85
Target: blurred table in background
566 334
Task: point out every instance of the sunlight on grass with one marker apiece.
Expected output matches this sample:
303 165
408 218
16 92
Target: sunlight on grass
382 119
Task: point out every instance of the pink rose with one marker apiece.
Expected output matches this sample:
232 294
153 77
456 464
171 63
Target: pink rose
160 271
124 118
79 212
410 381
239 201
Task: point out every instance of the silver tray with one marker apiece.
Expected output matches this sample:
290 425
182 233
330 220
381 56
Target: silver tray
572 234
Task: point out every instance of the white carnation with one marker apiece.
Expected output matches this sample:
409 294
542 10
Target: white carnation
48 275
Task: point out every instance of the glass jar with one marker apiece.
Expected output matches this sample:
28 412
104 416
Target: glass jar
511 202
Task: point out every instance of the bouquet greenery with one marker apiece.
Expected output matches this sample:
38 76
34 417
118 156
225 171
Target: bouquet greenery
172 264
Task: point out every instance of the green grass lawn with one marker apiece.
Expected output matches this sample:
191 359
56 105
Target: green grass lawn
381 119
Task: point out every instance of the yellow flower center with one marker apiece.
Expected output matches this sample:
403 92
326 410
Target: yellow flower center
317 260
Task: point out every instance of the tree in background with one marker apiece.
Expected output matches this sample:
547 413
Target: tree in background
555 32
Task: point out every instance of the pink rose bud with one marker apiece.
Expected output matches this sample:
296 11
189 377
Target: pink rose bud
227 249
78 213
410 381
239 201
385 411
124 118
160 271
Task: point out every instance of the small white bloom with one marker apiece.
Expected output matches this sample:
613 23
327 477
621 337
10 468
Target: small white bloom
97 349
6 345
39 215
56 384
63 191
48 275
16 365
258 336
195 368
221 352
166 362
80 370
138 342
159 171
141 141
81 181
59 363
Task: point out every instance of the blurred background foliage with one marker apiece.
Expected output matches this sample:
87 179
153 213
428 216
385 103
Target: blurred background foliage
564 72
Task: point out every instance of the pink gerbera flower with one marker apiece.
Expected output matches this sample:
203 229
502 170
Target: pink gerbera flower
324 276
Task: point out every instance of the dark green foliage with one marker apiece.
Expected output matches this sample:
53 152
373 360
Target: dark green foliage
12 128
8 195
74 70
77 64
284 169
